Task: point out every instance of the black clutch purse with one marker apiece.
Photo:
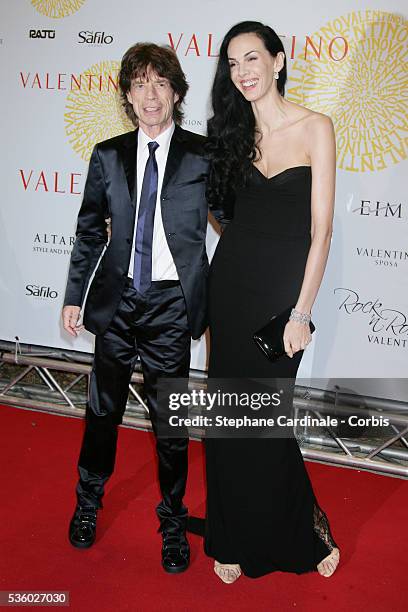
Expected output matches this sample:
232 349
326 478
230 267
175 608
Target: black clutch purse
270 337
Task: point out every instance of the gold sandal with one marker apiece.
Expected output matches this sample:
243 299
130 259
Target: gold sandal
328 565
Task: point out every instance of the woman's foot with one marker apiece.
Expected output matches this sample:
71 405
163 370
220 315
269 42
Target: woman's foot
329 564
227 572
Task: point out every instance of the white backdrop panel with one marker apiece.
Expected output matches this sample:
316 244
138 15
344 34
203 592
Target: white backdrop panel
50 124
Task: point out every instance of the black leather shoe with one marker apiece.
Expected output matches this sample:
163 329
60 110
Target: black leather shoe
82 528
175 553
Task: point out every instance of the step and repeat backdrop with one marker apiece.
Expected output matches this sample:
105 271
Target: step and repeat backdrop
348 59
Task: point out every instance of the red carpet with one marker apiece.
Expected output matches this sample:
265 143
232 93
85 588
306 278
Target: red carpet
122 570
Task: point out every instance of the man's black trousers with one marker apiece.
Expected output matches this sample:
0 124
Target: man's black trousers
154 327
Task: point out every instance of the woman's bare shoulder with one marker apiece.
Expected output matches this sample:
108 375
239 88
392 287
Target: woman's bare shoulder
305 117
319 134
318 121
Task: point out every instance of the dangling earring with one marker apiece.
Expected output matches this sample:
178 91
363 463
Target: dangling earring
276 75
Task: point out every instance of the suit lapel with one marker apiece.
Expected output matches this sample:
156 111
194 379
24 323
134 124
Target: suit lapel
175 156
129 158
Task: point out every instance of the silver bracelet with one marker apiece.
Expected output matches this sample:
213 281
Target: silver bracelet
299 317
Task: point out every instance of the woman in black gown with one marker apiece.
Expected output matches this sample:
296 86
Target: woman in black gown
273 172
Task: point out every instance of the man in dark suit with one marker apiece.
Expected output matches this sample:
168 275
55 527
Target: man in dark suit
148 295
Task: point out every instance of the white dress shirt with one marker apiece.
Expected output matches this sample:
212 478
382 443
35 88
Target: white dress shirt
163 267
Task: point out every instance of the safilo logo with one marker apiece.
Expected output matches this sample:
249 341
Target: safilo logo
94 38
41 292
42 33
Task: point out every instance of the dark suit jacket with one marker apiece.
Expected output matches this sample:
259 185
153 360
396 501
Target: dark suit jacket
110 191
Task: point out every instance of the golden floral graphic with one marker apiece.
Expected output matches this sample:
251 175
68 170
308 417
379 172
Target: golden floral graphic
57 8
93 110
361 83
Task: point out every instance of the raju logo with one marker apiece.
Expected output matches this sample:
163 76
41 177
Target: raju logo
363 91
42 34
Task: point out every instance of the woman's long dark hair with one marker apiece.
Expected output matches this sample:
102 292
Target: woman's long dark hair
231 130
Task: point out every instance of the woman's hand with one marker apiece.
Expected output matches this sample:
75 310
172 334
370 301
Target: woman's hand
296 337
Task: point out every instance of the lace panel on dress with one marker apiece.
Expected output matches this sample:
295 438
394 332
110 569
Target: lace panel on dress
322 528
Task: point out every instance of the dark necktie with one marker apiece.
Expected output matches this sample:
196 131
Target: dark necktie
142 271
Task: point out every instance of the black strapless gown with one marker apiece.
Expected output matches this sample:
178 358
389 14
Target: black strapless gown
261 509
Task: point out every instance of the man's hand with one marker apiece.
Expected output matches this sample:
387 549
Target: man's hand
70 317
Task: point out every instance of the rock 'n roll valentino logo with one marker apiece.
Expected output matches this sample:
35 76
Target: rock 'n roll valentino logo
93 111
57 8
364 90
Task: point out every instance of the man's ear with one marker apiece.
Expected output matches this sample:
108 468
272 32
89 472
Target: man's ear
129 97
